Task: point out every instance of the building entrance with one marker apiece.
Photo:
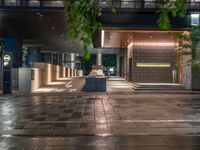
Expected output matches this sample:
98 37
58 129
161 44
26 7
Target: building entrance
110 64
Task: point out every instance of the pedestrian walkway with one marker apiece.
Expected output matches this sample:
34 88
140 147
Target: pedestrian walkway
114 85
100 114
91 121
119 85
63 85
147 142
77 84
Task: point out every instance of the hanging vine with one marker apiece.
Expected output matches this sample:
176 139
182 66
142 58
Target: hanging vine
82 21
82 18
190 46
176 8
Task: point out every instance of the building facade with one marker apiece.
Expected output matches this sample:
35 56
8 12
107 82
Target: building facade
130 45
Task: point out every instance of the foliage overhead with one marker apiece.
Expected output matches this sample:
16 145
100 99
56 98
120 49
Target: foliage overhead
82 21
190 46
176 8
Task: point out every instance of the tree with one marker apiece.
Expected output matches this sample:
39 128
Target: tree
82 21
190 46
176 8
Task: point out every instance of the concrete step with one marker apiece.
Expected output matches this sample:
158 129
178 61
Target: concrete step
157 86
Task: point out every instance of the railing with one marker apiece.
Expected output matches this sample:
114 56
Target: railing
136 4
32 3
143 4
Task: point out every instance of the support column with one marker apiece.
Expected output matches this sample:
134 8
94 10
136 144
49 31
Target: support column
196 71
72 60
63 67
118 64
99 59
125 64
72 64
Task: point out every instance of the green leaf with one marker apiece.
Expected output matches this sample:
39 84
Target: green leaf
173 11
114 10
82 21
167 7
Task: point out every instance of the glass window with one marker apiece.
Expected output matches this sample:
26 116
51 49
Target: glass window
194 19
57 3
34 3
149 4
105 4
10 3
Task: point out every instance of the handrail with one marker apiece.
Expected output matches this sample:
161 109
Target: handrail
133 4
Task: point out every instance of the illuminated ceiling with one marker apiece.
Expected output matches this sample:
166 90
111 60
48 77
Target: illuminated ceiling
122 38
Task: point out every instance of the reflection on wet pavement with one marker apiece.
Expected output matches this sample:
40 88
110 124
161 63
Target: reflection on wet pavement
101 143
100 121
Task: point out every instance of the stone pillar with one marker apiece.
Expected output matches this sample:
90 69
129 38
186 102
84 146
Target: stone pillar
63 59
196 71
118 64
63 65
186 72
72 60
99 59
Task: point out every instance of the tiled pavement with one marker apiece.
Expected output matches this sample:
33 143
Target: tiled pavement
100 121
101 143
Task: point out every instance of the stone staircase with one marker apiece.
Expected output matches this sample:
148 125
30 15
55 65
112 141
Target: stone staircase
158 86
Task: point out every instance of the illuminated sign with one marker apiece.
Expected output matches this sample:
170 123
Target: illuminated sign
165 65
6 58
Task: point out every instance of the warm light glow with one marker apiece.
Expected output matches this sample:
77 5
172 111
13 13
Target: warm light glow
56 83
166 65
130 45
154 44
63 73
102 38
49 78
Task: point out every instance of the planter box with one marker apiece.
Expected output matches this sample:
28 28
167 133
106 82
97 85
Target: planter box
95 84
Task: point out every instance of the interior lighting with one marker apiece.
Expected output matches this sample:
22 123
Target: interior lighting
158 65
102 38
154 44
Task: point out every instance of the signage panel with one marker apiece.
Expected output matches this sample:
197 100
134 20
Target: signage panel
7 65
7 61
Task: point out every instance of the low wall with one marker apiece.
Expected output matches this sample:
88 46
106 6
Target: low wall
30 79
